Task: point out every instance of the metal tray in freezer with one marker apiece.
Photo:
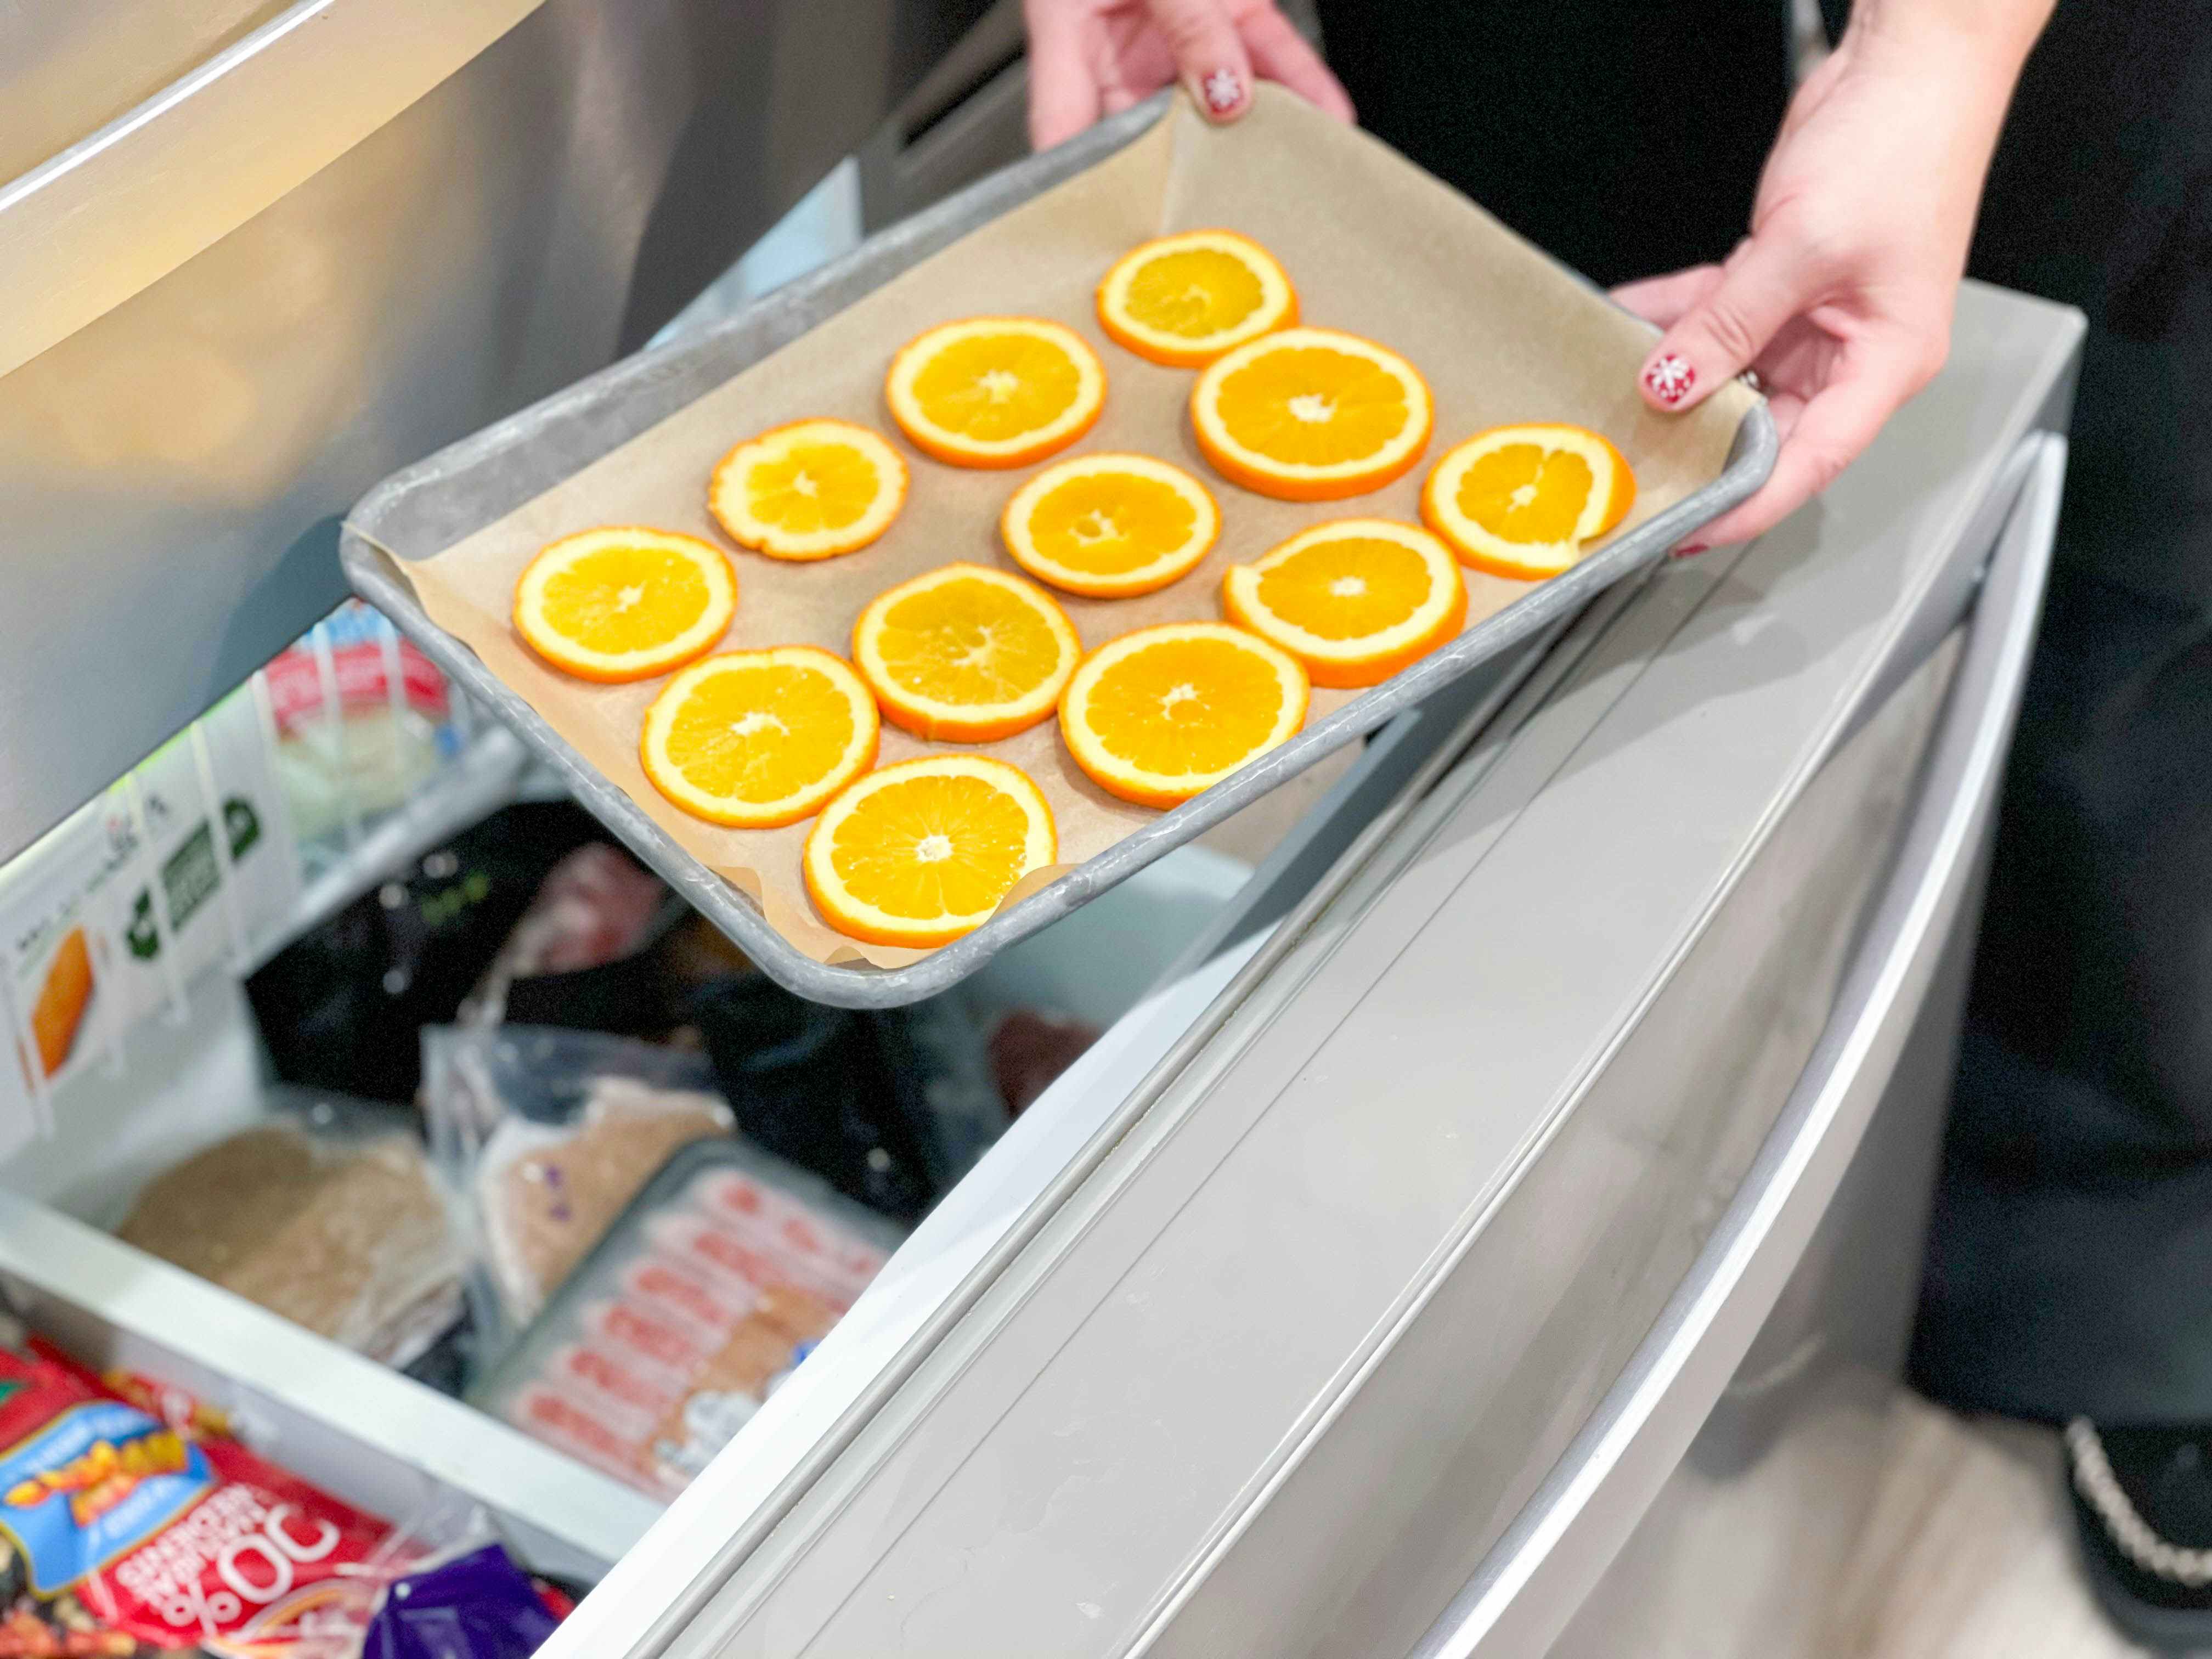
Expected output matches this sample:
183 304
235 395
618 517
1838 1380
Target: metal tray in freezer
419 513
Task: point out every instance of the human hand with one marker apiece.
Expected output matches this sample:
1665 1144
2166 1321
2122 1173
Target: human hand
1094 58
1840 299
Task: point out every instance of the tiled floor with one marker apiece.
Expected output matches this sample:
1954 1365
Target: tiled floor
1968 1554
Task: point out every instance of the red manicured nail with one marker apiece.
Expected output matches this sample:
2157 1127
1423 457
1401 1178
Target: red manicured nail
1223 91
1670 379
1691 549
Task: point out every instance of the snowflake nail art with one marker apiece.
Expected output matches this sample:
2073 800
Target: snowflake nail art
1224 91
1670 379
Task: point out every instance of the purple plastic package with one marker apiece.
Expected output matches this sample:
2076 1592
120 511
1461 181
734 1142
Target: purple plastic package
477 1605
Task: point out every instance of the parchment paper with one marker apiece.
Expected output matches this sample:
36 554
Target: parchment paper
1372 244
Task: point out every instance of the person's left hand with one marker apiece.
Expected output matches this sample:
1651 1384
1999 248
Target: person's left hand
1840 299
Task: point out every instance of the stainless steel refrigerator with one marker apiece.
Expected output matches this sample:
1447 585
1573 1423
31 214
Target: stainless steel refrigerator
1490 1221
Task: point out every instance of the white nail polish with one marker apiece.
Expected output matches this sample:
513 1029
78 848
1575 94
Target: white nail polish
1224 90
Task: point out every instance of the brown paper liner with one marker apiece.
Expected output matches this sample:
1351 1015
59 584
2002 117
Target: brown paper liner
1373 244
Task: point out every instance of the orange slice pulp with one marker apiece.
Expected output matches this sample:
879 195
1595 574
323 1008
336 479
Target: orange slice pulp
1161 713
756 738
624 602
1526 502
1355 600
1108 526
811 490
1310 414
995 391
1184 300
922 852
965 652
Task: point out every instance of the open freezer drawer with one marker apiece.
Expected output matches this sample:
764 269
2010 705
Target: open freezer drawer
1275 1364
1255 1334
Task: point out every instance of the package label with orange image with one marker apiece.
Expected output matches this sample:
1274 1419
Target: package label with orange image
172 1541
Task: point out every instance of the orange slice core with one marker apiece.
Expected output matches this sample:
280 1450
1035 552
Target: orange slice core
1522 493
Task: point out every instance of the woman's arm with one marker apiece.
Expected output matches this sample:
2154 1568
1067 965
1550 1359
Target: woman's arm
1841 296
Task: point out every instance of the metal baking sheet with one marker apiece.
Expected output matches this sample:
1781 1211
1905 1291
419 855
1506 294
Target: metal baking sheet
431 506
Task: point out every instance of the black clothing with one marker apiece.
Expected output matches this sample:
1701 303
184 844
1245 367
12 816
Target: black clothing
2070 1262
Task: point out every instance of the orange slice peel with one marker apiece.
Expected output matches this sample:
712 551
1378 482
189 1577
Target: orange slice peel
808 490
1527 501
1111 527
995 392
1160 714
754 739
1311 415
1355 600
965 653
624 602
1184 300
924 851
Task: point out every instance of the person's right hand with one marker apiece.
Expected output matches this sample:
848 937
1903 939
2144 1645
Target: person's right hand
1094 58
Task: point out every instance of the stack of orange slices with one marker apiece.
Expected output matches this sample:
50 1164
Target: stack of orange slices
1526 502
965 652
1111 527
1355 600
995 391
1184 300
1311 415
811 490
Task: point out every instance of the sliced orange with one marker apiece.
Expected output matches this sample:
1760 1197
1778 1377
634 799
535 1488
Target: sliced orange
1311 415
624 602
1108 526
757 738
1184 300
996 391
924 851
1526 502
1158 715
965 652
810 489
1355 600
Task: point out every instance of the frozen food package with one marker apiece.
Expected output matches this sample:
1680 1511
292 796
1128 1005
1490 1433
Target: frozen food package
362 720
710 1288
476 1605
447 1589
891 1107
340 1007
327 1214
595 907
68 990
1030 1047
217 875
126 1537
547 1134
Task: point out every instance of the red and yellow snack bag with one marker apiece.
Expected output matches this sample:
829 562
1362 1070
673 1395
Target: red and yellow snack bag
135 1535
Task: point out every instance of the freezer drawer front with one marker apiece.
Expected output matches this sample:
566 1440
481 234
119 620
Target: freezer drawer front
1527 1588
357 231
1426 1129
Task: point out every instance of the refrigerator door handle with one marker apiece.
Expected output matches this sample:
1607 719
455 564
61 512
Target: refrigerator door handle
1536 1576
120 210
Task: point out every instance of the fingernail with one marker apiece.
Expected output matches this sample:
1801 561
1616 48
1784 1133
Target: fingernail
1222 92
1691 549
1670 379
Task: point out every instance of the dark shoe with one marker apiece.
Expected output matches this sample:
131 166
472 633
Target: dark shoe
2143 1500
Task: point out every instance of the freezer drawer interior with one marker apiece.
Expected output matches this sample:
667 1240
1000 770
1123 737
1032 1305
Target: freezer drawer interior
297 831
